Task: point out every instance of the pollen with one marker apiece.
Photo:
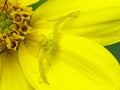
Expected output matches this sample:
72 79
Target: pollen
14 25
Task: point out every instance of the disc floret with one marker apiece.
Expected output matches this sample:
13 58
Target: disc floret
14 25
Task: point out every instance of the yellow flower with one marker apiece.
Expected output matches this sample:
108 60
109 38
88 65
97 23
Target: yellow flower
35 58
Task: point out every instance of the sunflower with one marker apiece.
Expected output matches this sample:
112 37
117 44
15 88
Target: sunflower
37 58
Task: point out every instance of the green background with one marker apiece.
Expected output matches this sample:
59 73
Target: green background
114 49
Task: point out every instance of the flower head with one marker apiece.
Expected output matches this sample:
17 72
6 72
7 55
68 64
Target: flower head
14 25
38 58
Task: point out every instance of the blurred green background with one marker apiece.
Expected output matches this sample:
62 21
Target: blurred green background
114 49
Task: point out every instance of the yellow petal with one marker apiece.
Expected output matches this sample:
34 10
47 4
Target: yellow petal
53 9
29 62
84 18
0 66
12 77
81 64
104 33
23 3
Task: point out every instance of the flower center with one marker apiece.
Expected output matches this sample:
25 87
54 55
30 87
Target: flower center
14 25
